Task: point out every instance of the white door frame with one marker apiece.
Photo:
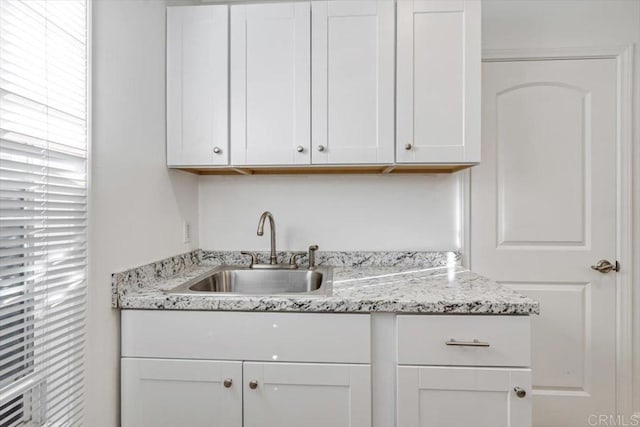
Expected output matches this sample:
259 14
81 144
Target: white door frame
624 206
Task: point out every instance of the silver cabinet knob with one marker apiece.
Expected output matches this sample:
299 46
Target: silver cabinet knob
299 148
321 148
227 382
253 384
520 392
408 146
217 150
604 266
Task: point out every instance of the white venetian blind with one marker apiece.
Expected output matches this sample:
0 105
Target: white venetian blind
43 217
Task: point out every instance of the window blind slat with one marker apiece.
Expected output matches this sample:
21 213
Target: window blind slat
20 331
30 179
33 259
38 252
9 409
61 411
26 148
19 316
54 344
43 210
52 359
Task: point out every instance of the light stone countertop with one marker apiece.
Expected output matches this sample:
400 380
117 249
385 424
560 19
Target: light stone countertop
362 287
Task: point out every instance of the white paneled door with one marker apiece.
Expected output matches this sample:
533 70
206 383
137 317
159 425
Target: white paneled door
353 82
270 83
307 394
543 209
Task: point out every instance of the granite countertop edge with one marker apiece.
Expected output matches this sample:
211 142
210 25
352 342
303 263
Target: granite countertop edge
434 284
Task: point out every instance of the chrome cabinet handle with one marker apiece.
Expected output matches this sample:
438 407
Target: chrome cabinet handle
227 382
474 343
321 148
520 392
299 148
253 384
217 150
408 147
604 266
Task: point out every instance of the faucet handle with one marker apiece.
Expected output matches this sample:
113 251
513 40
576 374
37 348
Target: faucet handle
312 256
295 256
254 257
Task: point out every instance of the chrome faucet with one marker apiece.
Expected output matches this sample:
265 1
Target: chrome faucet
273 259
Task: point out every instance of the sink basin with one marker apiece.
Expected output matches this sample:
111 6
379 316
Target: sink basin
246 281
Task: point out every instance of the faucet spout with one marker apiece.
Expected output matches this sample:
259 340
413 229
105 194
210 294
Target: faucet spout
273 259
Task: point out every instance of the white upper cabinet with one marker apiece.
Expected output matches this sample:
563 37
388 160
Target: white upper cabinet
270 83
438 81
197 85
324 82
352 47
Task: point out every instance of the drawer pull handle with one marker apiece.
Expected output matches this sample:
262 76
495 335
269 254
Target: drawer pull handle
520 392
474 343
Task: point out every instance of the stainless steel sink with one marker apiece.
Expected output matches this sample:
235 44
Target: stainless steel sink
234 280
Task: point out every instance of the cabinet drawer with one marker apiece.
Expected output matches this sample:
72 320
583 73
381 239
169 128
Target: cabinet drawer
281 337
449 340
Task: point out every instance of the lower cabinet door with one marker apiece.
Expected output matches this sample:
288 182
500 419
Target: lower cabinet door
194 393
310 395
463 397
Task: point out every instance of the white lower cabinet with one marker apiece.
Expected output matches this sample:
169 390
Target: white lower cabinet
173 392
433 396
310 395
459 371
240 369
168 392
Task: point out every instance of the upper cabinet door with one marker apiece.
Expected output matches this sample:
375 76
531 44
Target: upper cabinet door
197 85
438 83
353 81
270 83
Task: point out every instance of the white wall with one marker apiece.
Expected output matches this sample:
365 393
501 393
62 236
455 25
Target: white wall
558 23
137 205
521 24
338 212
